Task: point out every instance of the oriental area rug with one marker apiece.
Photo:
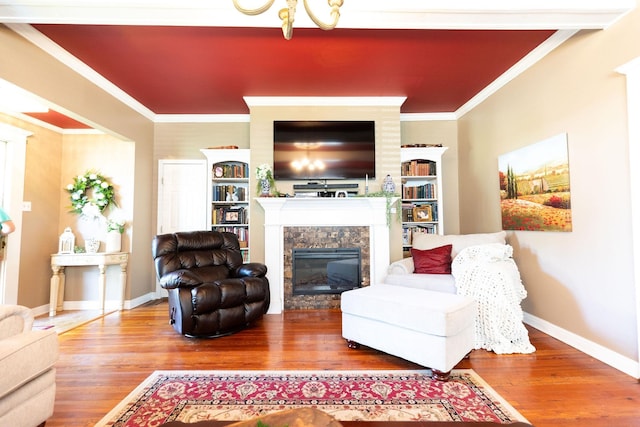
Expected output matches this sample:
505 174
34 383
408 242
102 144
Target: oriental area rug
192 396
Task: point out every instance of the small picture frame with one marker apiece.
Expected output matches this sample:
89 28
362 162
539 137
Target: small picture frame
422 213
342 194
232 216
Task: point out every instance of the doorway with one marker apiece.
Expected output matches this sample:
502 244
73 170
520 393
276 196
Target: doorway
182 198
14 143
3 239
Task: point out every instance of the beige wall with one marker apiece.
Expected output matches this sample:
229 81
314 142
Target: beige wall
39 226
43 75
113 159
580 281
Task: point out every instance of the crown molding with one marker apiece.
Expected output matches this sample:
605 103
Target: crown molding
324 101
416 14
427 117
201 118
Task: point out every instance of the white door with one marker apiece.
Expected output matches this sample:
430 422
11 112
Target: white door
182 195
182 198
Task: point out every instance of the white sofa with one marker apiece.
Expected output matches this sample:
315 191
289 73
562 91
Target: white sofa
402 272
27 371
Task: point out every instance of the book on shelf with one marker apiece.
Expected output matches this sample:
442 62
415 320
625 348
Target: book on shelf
241 231
418 168
230 170
423 191
408 233
228 193
407 212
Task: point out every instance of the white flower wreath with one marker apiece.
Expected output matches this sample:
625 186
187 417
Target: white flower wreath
90 184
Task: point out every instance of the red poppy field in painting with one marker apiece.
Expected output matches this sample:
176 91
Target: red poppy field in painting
522 214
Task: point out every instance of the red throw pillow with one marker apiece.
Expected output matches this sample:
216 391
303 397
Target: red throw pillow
432 261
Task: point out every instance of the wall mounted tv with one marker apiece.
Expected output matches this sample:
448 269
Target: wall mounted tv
319 150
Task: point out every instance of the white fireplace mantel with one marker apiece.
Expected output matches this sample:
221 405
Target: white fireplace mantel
283 212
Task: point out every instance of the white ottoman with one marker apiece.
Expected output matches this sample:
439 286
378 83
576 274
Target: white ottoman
432 329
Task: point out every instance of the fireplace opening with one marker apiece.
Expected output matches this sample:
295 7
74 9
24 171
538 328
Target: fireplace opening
325 270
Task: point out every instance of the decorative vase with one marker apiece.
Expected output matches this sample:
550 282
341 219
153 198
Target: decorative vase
265 188
113 242
388 186
91 245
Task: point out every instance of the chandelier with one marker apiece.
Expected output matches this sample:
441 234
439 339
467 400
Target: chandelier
287 14
310 165
306 162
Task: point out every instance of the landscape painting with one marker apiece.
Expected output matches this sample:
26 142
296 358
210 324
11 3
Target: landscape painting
534 187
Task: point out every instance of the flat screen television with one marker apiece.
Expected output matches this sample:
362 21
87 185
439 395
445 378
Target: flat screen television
319 150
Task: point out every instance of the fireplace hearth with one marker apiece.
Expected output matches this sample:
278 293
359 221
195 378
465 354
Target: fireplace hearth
325 270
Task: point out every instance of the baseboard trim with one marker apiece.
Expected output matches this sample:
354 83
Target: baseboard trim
109 305
622 363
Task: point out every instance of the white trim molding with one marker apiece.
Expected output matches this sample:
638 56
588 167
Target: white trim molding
603 354
632 71
324 101
419 14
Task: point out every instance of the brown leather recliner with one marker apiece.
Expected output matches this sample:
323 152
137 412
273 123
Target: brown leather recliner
211 291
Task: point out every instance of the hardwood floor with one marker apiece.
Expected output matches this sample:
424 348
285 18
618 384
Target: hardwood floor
103 361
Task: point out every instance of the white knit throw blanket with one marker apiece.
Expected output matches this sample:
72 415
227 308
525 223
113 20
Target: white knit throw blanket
488 274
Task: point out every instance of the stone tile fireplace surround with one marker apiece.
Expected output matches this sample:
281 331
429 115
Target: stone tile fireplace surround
321 237
329 217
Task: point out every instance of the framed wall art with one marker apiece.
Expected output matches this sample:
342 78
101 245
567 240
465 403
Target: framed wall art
422 213
232 216
534 187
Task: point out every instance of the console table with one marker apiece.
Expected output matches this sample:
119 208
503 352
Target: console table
101 260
